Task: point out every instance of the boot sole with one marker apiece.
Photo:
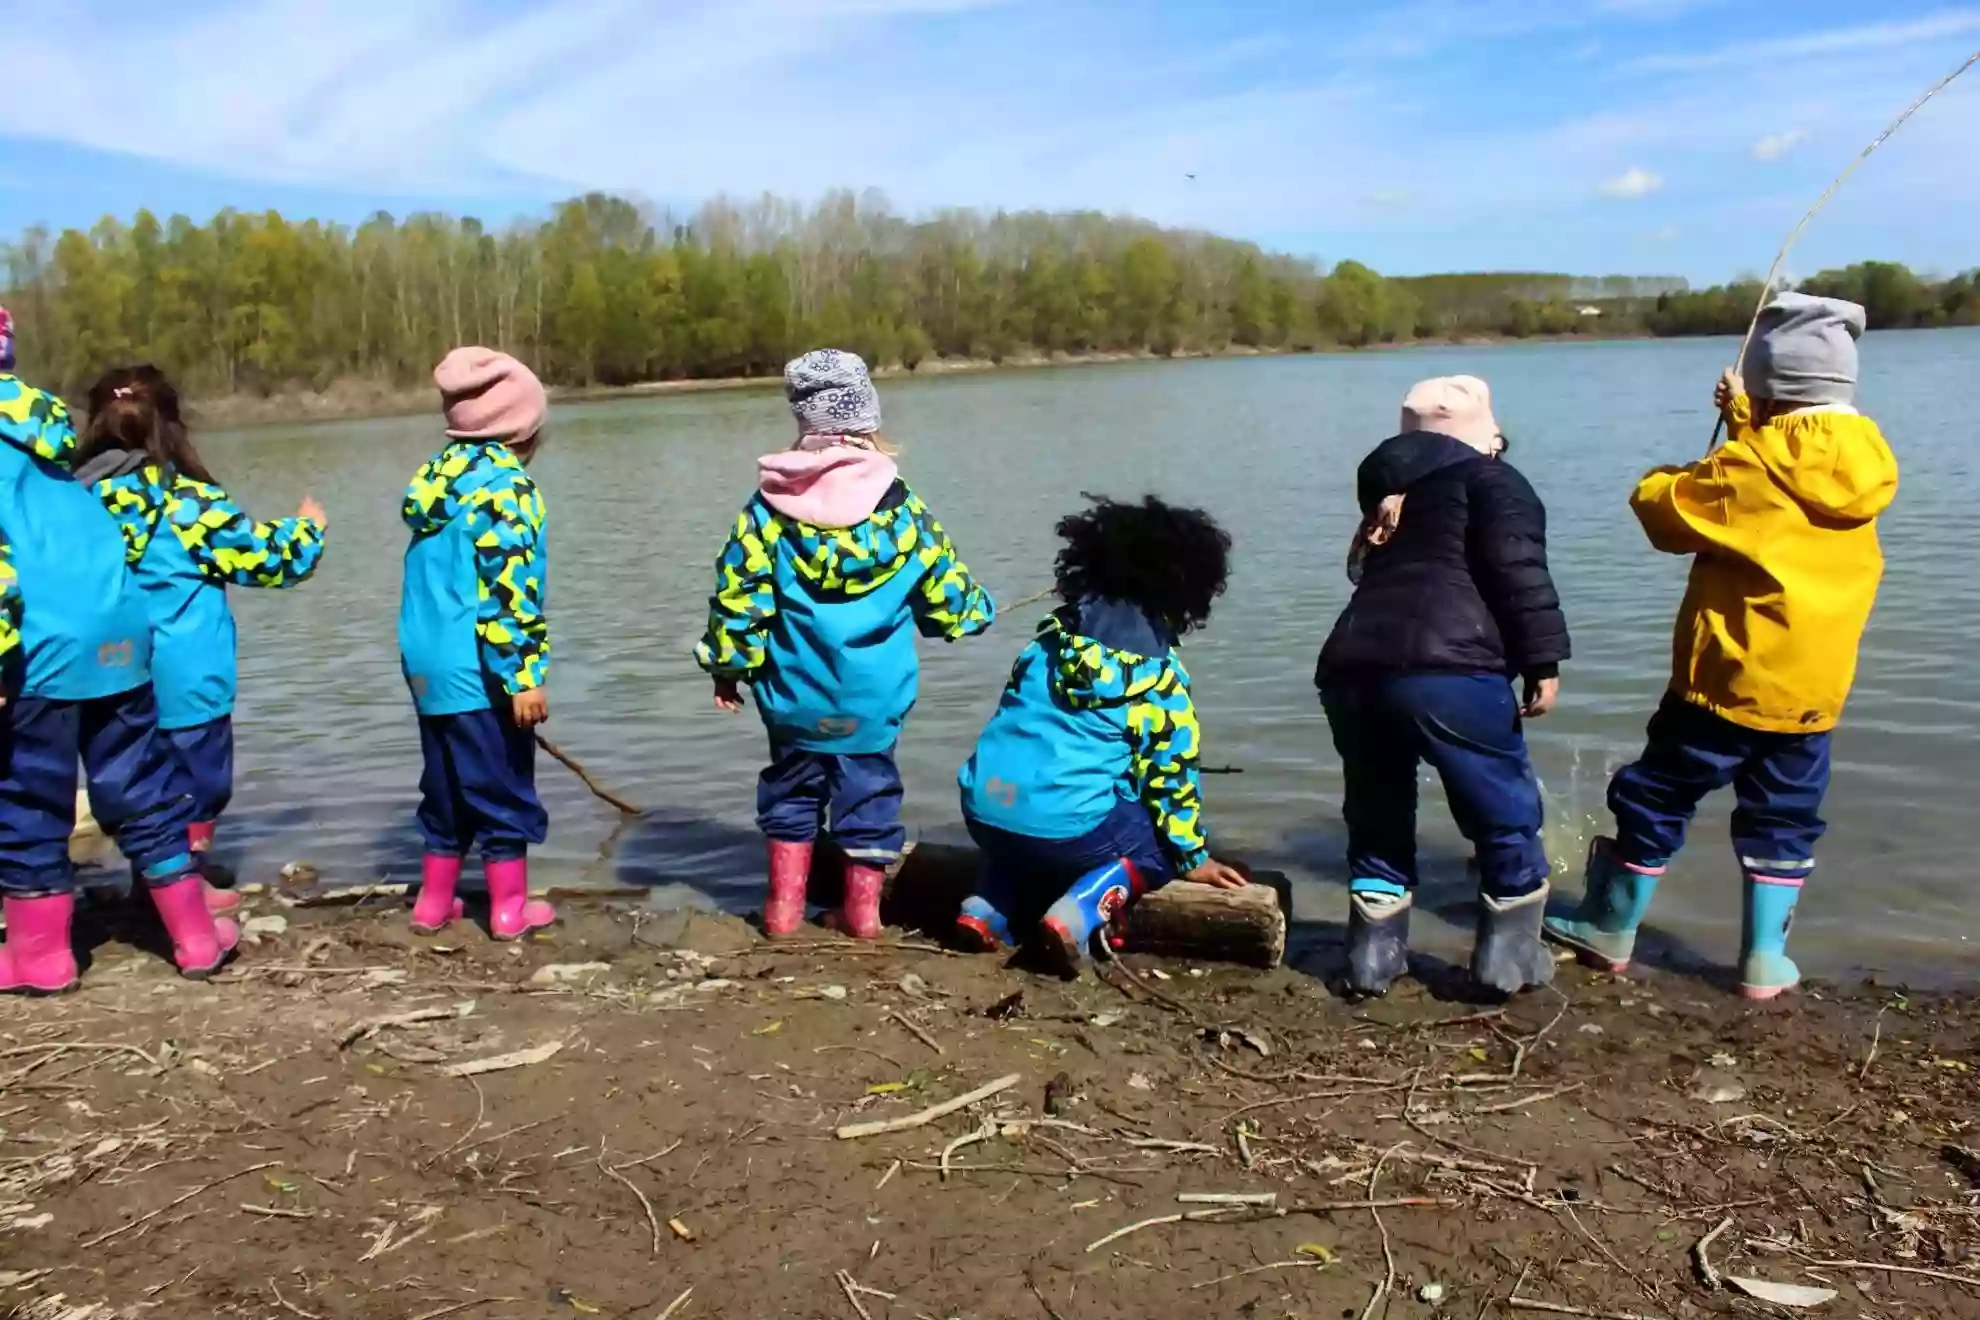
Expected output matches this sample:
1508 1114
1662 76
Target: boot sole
1061 951
1762 993
973 936
41 991
521 935
1586 956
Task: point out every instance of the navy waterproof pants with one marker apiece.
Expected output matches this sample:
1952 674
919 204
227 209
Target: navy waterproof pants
1778 778
137 790
479 785
1467 726
853 798
1022 876
206 753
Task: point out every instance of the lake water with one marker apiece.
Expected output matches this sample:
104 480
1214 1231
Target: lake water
642 493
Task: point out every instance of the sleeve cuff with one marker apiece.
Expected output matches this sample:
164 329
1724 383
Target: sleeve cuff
1189 861
1551 669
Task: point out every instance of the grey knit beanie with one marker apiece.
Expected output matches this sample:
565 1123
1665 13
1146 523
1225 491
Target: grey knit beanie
1805 350
831 393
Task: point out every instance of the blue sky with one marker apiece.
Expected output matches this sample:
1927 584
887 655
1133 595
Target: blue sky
1680 136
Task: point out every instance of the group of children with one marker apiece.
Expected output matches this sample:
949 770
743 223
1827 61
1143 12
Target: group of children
1083 792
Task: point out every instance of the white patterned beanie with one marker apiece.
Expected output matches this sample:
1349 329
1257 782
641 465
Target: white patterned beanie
831 393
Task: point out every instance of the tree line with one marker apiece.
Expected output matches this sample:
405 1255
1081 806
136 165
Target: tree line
607 292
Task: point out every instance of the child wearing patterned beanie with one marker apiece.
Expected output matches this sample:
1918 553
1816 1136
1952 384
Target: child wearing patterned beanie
474 641
1781 526
831 568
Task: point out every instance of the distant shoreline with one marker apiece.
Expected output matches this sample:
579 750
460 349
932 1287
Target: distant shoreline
359 400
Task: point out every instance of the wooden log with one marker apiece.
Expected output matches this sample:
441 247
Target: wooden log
1184 921
1245 926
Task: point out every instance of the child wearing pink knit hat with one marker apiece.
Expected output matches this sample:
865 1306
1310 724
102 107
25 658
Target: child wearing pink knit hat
474 642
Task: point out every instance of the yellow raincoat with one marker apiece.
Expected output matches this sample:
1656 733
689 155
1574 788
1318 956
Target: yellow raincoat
1782 521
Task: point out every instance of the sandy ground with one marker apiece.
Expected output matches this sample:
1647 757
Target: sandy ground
289 1141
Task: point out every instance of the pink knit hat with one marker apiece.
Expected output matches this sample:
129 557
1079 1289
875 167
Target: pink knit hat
1456 406
488 395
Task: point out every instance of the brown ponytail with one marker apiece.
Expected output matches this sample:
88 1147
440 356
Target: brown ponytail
137 408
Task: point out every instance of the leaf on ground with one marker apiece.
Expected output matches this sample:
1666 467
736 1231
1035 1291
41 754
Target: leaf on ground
887 1088
1319 1251
1478 1054
769 1028
1782 1294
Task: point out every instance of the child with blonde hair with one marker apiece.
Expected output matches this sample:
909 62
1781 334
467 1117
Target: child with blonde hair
831 569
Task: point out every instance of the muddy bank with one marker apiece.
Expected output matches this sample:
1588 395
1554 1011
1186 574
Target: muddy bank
655 1129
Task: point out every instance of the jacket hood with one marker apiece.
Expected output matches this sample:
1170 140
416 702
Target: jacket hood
1403 460
434 498
1835 464
1109 653
854 559
833 487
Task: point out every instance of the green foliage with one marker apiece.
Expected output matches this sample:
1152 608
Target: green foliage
604 292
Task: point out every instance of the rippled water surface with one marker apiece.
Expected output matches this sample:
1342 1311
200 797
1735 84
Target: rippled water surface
641 494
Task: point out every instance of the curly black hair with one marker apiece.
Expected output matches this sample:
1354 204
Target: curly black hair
1172 562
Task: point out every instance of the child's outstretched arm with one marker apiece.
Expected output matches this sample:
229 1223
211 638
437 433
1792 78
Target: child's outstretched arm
949 603
505 524
1162 731
735 649
235 550
1684 510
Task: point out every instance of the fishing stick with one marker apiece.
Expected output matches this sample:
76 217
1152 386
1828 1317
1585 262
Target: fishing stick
1780 258
576 767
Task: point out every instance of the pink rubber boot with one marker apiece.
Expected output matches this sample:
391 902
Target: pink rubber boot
37 958
790 872
512 913
199 841
860 917
436 905
201 942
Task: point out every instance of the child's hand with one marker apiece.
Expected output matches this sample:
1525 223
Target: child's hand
311 511
530 708
1541 694
728 696
1731 386
1218 875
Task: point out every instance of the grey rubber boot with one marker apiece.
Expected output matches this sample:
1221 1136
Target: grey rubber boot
1510 956
1378 941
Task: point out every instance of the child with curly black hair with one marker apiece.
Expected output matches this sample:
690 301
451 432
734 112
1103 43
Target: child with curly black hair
1082 793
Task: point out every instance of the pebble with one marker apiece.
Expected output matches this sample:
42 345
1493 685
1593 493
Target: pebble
1431 1293
565 973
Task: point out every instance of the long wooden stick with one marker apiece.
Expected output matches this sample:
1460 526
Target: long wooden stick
854 1131
576 767
1780 258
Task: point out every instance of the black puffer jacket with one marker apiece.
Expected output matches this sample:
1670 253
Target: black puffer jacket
1462 586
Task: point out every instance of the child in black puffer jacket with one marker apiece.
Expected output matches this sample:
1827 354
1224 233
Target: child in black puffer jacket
1452 601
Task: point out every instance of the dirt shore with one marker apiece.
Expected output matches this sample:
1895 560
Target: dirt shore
289 1141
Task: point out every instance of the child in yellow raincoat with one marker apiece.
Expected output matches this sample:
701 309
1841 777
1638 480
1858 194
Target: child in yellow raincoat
1781 524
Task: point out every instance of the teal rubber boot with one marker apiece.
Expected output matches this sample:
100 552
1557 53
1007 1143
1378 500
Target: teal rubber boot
1602 931
1378 936
1509 955
1764 967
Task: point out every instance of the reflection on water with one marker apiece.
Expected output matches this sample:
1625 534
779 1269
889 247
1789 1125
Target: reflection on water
642 493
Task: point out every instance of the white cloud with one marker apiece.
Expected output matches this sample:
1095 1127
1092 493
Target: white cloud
1667 234
1832 41
1776 145
1633 183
